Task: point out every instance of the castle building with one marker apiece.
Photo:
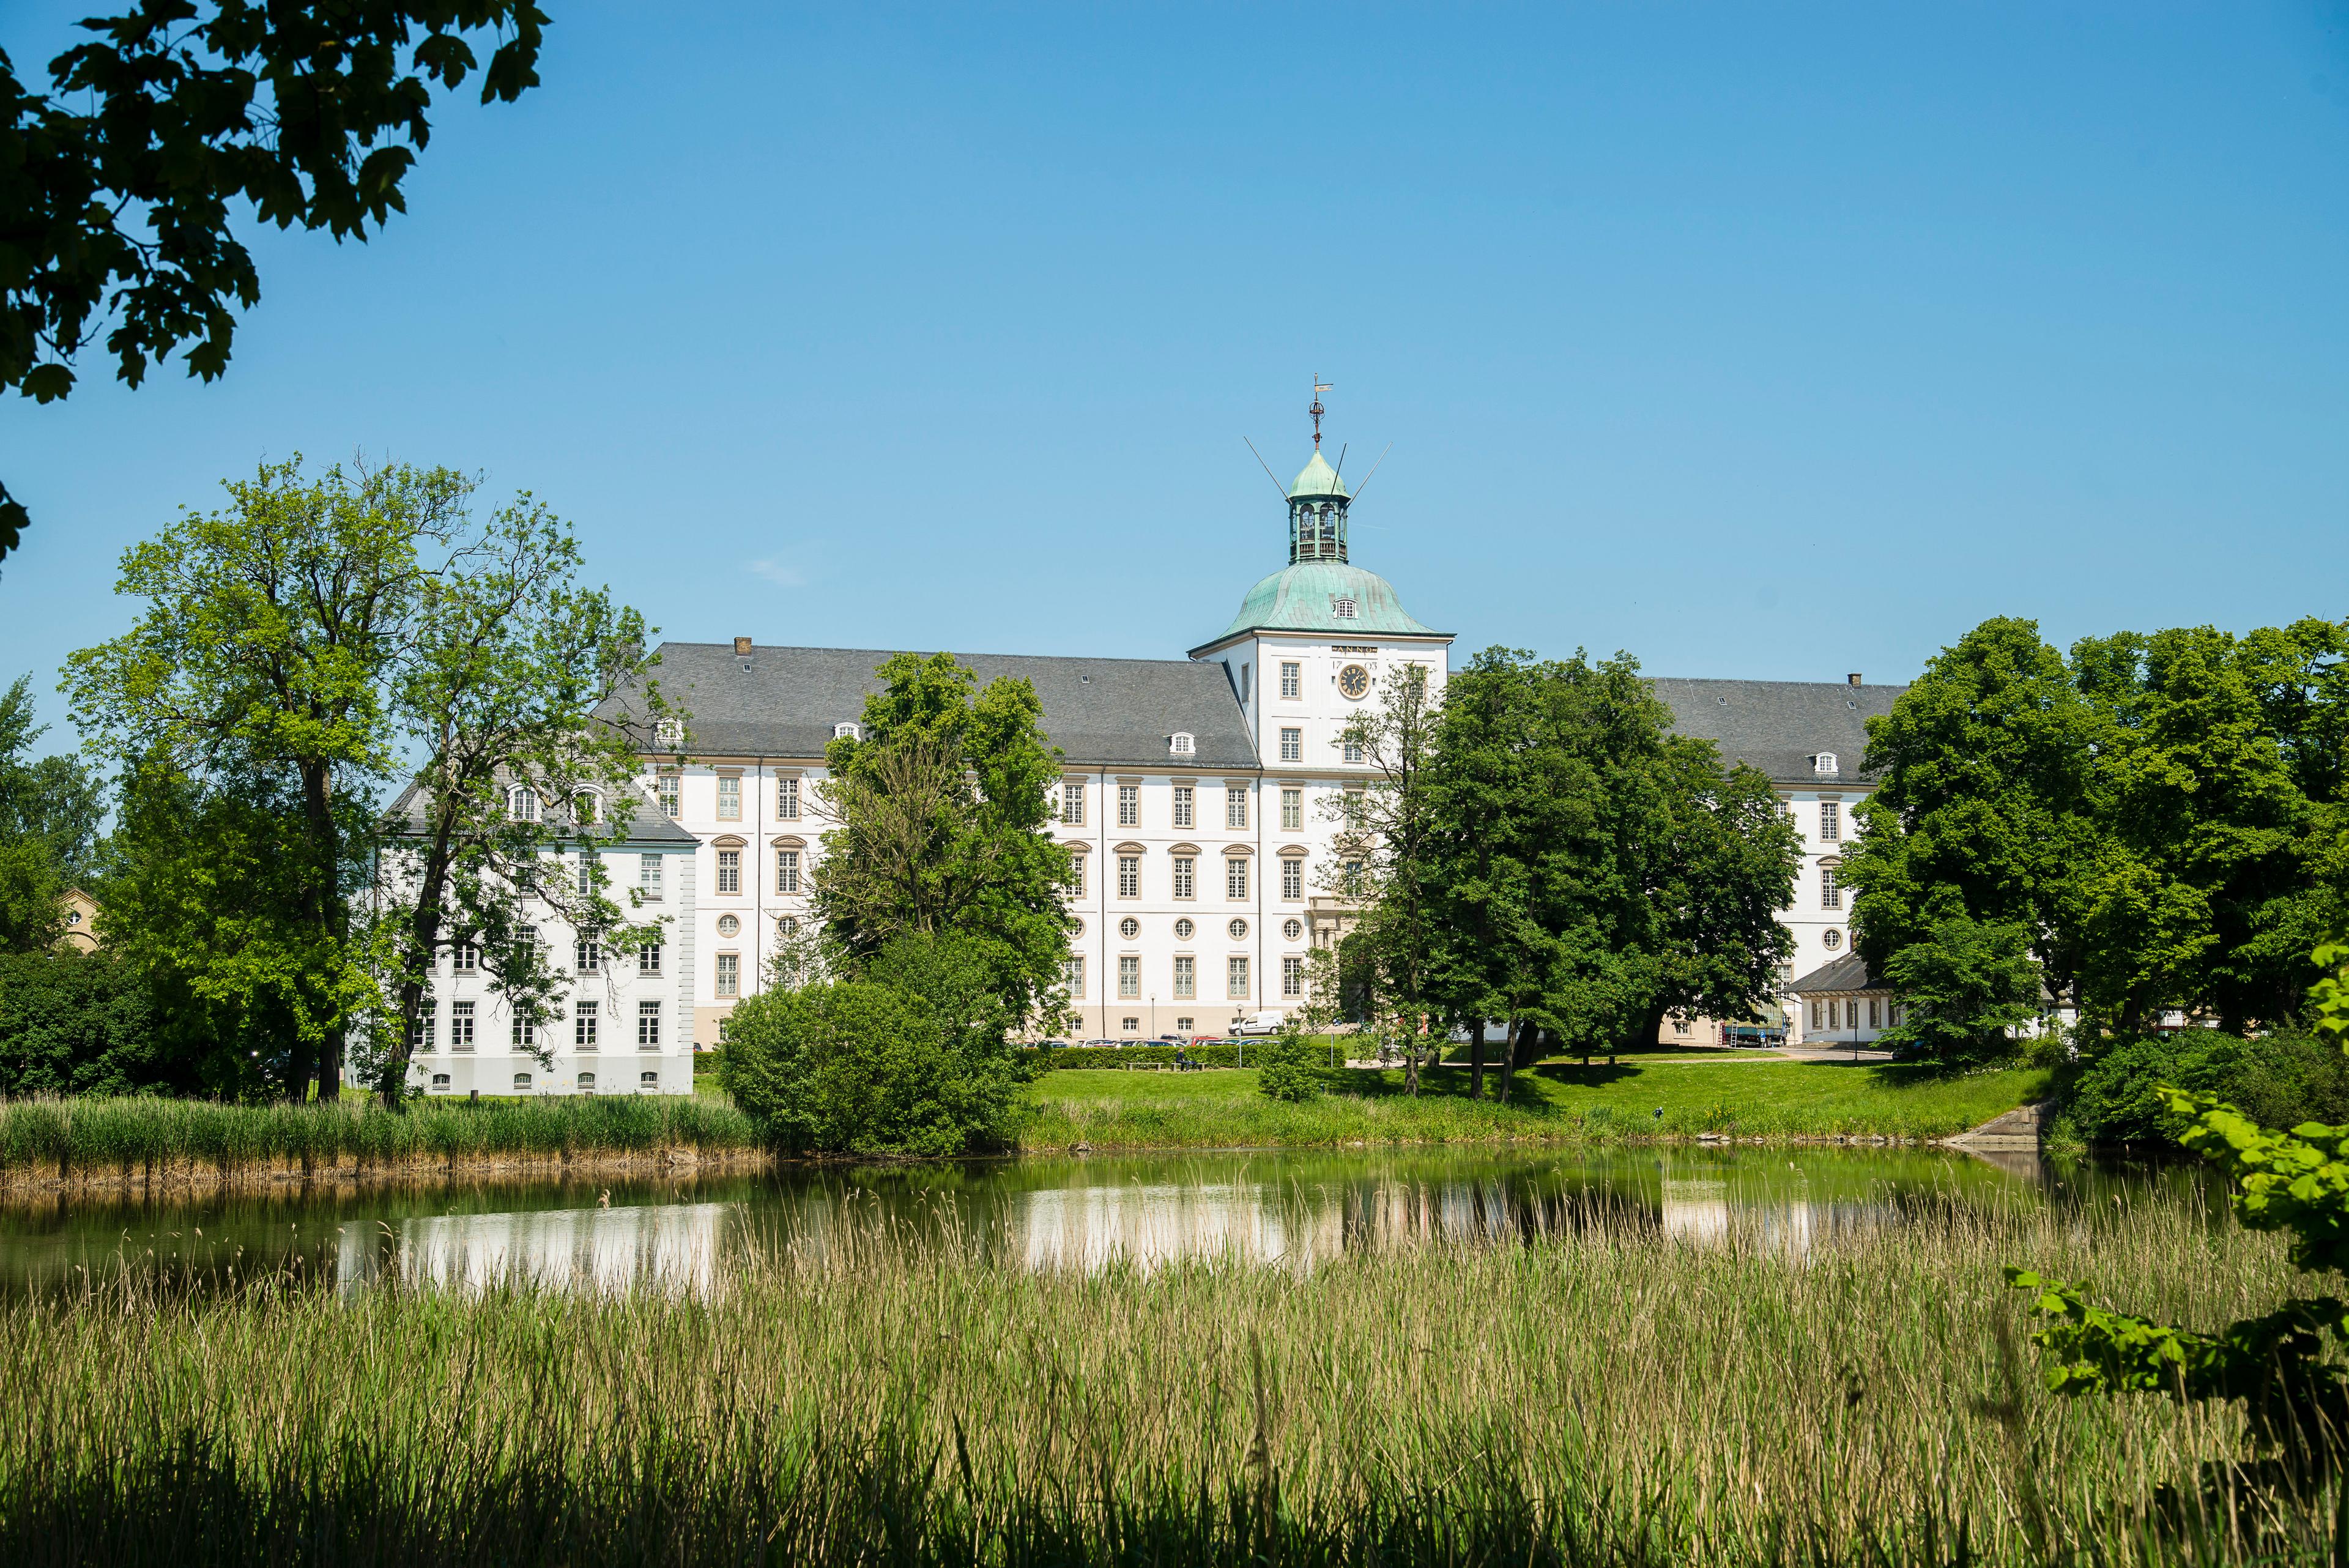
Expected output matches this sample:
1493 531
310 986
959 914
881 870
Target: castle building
1193 792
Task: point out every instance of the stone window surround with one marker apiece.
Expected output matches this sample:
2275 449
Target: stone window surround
721 775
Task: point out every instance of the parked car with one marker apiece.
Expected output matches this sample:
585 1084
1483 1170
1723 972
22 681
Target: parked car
1052 1045
1267 1022
1204 1040
1096 1045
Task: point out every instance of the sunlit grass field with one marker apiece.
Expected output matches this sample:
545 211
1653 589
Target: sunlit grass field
1564 1101
1594 1394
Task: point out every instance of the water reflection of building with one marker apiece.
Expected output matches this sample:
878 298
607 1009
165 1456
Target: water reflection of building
672 1247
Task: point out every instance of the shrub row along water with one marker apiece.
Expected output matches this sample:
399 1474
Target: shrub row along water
1776 1395
130 1135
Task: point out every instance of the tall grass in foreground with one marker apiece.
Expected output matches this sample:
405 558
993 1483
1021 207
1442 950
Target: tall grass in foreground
130 1136
874 1397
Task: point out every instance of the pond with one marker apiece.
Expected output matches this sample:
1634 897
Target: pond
1290 1209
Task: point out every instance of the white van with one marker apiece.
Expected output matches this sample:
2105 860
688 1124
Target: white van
1266 1022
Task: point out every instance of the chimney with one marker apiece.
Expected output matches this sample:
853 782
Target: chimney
740 641
742 647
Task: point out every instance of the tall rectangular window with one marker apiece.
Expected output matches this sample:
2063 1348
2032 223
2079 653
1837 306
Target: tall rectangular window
1350 751
586 1019
1292 809
460 1026
649 876
1292 976
1818 1015
1076 876
730 975
525 1030
586 874
1830 822
729 797
787 870
648 959
1235 878
1186 978
1292 745
1235 807
729 870
420 1032
1183 805
670 791
1129 806
787 799
465 958
648 1025
1830 890
1184 868
587 956
1128 876
1236 978
1072 975
1292 679
1129 976
1292 879
1875 1013
1073 804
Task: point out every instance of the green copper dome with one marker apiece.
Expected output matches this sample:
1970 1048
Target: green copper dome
1317 478
1315 595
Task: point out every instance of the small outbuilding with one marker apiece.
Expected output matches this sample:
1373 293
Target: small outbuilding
1840 1003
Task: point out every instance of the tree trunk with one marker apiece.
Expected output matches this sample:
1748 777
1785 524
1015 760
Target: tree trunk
1476 1059
326 906
1509 1061
1534 1043
1644 1034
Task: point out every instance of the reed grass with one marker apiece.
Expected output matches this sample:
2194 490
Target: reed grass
882 1395
152 1138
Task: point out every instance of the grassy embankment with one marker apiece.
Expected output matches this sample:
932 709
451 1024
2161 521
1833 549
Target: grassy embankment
1560 1101
1592 1396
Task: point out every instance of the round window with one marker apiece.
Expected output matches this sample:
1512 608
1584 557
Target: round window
1354 681
1081 929
1239 931
1292 930
1184 929
1129 928
1833 939
727 925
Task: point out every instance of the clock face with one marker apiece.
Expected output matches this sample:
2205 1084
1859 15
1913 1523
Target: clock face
1353 681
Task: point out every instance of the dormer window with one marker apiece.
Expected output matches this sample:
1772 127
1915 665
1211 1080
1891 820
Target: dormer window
522 804
1183 744
583 806
1343 606
670 732
1825 762
844 731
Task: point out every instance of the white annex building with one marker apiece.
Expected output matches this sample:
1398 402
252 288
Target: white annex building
1192 791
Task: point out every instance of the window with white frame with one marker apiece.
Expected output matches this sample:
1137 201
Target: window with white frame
649 1083
729 797
440 1083
1292 809
846 730
729 870
1235 876
1292 745
1186 978
669 789
1235 807
1072 974
670 732
1129 976
1129 806
1128 876
522 1082
522 804
787 870
1292 679
1073 804
420 1032
787 798
525 1030
1830 822
1076 876
1825 762
1830 890
1236 978
587 1085
1183 744
1183 806
730 975
586 1021
460 1026
648 878
1292 976
648 959
648 1025
465 958
1349 752
1343 606
584 808
1292 878
587 956
586 874
1185 868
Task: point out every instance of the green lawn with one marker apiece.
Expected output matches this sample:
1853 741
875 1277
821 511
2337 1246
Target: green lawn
1556 1100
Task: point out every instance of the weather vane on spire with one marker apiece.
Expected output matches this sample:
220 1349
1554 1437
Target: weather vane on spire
1319 386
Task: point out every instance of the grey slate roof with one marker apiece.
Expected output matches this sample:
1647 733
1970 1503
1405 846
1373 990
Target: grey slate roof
1115 712
647 825
1779 725
1849 972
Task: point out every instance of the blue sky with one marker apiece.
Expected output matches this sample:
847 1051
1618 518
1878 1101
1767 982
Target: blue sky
1762 340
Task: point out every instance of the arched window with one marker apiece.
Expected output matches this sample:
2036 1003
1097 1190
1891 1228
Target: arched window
1184 743
844 731
585 807
1824 763
522 804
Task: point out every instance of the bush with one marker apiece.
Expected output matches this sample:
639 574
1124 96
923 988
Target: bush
1142 1055
912 1061
77 1024
1291 1069
2278 1081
